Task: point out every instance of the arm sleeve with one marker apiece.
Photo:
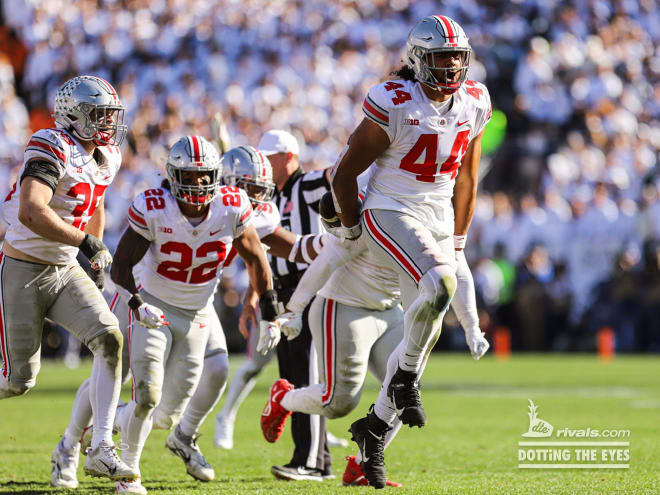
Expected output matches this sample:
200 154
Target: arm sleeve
49 146
464 302
43 170
333 255
137 219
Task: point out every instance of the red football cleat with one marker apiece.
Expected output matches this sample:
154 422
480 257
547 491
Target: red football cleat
354 476
274 416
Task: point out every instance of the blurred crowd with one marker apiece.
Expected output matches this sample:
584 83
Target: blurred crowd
566 230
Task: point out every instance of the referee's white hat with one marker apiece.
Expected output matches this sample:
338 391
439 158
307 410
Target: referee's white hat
278 141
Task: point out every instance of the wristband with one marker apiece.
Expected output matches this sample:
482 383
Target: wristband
268 305
303 249
294 250
135 302
459 241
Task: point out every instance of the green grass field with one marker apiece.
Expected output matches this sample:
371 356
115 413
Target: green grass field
477 414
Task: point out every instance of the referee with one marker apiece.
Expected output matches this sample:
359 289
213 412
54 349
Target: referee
297 198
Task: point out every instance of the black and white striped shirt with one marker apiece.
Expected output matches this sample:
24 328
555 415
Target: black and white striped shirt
298 202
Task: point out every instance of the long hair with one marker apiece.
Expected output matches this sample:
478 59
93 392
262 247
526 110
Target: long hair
405 72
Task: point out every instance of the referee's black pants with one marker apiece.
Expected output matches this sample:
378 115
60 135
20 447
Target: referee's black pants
308 431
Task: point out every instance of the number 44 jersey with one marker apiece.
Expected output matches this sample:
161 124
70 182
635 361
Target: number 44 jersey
184 261
428 140
82 184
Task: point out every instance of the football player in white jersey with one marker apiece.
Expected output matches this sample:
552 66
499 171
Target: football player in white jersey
185 235
356 322
419 130
54 210
246 168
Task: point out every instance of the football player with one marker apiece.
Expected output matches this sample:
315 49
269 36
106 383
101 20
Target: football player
419 129
54 210
356 322
246 168
185 234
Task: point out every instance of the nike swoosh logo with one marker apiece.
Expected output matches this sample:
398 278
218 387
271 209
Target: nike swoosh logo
458 124
398 411
110 470
364 451
213 233
202 325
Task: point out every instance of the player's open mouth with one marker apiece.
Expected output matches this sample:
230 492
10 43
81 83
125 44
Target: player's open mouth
452 76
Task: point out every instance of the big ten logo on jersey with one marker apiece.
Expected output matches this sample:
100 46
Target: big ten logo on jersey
191 267
87 198
165 230
154 199
230 196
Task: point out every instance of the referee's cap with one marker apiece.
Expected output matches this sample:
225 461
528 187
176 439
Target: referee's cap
278 141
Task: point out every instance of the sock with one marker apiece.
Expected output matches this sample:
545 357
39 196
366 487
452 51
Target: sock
134 433
209 390
240 386
383 408
104 386
81 416
304 400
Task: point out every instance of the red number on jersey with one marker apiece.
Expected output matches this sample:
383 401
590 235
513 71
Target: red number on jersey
179 270
401 96
472 90
11 193
230 196
451 164
428 144
154 200
207 271
176 270
90 201
265 207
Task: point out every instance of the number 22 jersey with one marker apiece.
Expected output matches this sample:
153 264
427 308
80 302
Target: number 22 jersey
428 140
183 262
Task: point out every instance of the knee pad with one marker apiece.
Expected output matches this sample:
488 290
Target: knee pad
216 367
147 398
12 389
438 286
109 344
162 421
340 407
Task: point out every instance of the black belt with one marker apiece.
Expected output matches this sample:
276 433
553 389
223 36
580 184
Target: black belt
288 281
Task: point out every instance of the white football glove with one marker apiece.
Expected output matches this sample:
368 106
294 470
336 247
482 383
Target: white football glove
478 344
290 325
101 260
151 316
269 336
346 233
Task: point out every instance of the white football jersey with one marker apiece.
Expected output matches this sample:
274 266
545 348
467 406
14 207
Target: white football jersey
428 140
266 220
183 262
81 187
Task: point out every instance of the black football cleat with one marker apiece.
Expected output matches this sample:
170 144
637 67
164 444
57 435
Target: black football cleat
369 434
403 390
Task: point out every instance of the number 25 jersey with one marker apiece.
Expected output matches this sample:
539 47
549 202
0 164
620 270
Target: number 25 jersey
82 184
428 140
183 262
